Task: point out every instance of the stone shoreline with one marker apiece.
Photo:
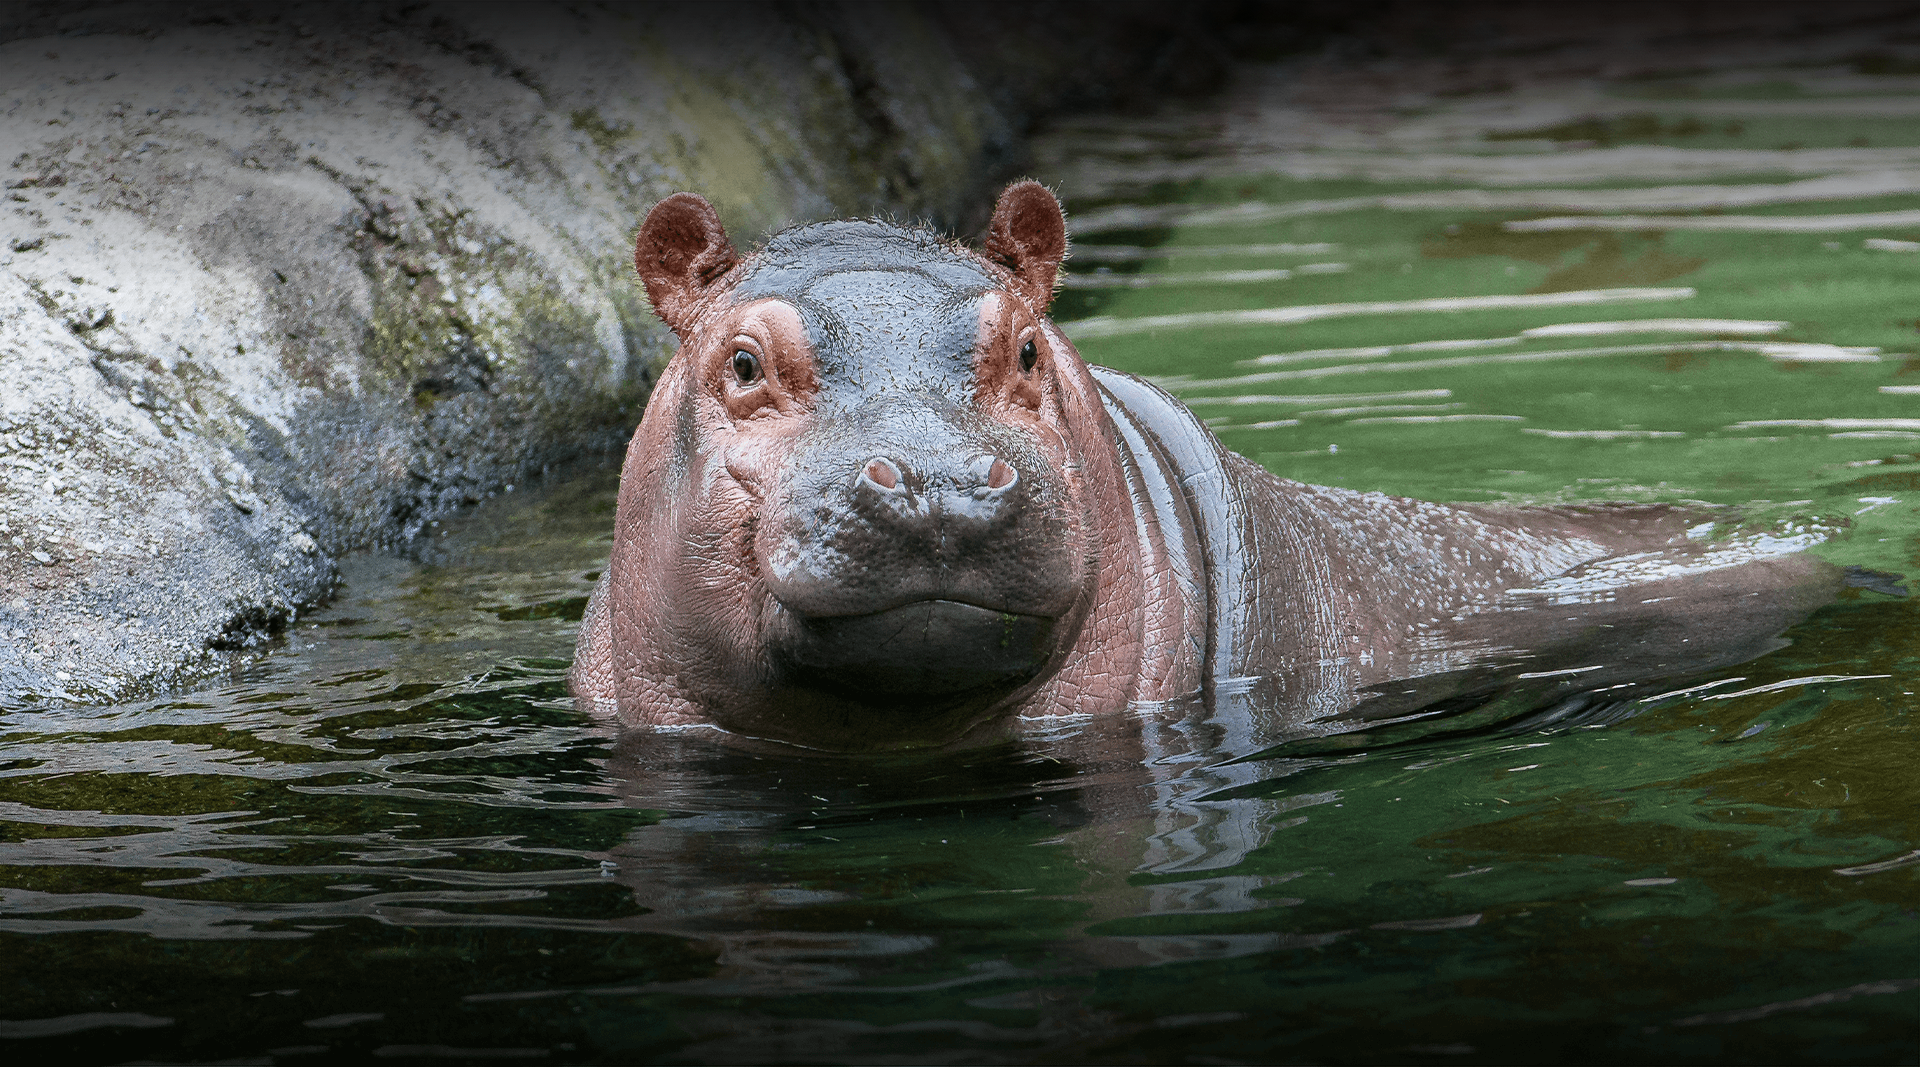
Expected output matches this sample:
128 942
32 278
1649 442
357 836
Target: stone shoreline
278 283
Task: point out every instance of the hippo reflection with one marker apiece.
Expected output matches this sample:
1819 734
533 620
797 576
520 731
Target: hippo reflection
878 501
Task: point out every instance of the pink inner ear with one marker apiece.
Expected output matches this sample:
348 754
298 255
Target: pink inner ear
680 251
1028 235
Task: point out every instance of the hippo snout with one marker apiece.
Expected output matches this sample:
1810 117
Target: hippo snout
914 577
914 499
930 558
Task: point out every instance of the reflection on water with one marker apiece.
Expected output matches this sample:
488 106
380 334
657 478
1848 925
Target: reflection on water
395 836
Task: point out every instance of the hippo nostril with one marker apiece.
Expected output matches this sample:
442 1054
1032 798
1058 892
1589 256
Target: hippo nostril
882 474
992 476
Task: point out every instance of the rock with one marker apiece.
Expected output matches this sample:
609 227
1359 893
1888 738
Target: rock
277 283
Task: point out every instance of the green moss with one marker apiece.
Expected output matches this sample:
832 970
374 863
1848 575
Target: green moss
588 120
480 323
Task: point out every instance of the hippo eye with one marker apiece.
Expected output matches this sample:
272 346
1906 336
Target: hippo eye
1028 355
746 366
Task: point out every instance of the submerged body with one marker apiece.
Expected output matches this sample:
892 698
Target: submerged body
879 501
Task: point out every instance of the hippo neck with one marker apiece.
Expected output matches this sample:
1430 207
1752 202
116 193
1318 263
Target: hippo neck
1244 587
1187 510
1179 465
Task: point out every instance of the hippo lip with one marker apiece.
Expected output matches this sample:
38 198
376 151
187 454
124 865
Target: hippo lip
923 648
897 603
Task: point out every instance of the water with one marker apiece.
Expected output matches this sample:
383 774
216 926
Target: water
393 836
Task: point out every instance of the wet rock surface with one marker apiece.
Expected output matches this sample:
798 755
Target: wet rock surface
277 283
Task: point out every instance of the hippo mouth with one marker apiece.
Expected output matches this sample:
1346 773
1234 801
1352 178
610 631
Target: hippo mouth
926 648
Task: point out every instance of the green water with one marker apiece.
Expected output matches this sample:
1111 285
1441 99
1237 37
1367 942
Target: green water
394 837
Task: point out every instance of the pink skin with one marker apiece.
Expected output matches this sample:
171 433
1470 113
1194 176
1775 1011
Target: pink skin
678 633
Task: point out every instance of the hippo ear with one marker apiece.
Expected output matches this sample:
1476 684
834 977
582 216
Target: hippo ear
680 253
1028 236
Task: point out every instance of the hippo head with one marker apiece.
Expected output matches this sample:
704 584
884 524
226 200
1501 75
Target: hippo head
871 524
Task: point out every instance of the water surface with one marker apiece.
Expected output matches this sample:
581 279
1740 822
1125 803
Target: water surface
393 836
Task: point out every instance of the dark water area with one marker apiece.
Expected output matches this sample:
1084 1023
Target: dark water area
394 837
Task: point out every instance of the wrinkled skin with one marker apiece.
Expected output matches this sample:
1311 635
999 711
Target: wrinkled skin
878 501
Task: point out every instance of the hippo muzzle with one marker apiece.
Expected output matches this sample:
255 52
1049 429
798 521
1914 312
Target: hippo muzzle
915 548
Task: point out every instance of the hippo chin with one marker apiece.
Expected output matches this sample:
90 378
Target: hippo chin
878 501
929 650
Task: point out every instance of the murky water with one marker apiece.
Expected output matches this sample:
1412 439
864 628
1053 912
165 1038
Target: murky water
394 836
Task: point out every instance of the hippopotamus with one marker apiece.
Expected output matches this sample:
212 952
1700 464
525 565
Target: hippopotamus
878 501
